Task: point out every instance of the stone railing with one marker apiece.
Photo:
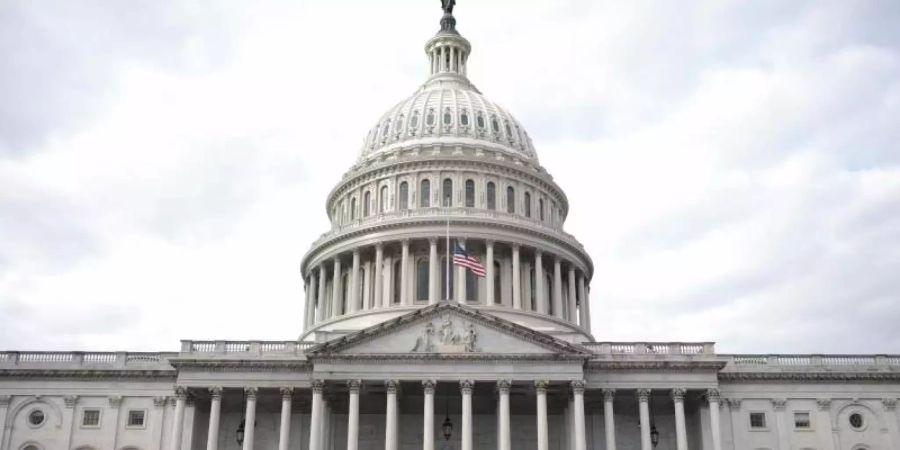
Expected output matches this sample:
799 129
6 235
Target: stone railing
752 362
62 360
245 347
449 213
652 348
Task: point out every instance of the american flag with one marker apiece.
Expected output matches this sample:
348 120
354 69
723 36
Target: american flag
461 258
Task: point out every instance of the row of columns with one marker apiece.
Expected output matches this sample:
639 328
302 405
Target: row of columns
573 307
447 58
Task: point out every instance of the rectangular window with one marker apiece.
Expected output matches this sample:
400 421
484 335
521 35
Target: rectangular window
757 420
801 421
90 418
136 418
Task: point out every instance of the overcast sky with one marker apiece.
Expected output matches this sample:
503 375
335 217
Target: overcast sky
733 167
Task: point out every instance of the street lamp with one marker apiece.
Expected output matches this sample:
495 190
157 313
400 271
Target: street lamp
447 426
239 434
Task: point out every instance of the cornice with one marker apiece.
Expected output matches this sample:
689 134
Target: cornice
657 365
241 365
431 357
92 374
738 377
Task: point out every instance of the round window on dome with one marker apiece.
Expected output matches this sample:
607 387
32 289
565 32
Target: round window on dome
36 418
856 421
464 119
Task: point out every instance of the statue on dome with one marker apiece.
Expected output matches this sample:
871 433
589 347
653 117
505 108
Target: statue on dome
447 6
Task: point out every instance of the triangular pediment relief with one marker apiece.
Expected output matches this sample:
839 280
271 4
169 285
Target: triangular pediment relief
448 329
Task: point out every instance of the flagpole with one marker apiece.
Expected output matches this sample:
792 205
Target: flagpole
447 275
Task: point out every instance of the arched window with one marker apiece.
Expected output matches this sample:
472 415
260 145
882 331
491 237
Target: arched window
448 118
422 275
383 201
479 120
464 118
491 195
425 194
367 200
470 194
345 292
353 208
510 200
447 193
404 195
429 119
444 282
528 204
541 209
471 287
532 300
498 299
495 126
414 120
396 275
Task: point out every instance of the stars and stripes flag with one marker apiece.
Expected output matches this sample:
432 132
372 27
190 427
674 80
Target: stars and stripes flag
461 258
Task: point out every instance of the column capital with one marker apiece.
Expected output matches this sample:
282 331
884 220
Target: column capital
432 241
608 394
354 386
215 392
489 242
391 386
115 401
503 386
251 392
515 247
890 404
379 245
541 386
70 400
734 403
160 402
356 252
287 393
466 386
824 404
428 386
538 253
678 394
643 395
180 392
318 386
779 403
578 387
404 242
4 400
713 395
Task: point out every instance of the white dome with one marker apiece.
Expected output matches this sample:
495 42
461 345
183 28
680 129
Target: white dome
448 110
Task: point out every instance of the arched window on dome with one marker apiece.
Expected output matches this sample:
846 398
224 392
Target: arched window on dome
479 121
414 121
396 276
510 199
367 200
528 205
404 196
353 208
541 209
429 118
495 125
470 193
422 275
491 195
447 193
448 117
508 130
425 194
464 118
383 201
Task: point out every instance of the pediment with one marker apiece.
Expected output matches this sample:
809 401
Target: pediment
449 329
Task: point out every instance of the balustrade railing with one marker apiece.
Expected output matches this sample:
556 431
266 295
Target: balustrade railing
787 361
87 359
652 348
254 347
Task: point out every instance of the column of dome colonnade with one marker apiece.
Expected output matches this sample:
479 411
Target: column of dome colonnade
413 273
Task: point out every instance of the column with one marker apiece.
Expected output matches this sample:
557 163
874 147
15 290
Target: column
578 412
539 283
465 387
433 271
585 321
516 279
310 303
367 286
336 288
387 297
353 301
320 314
452 59
4 409
489 275
643 396
284 436
250 418
738 426
441 64
404 274
215 408
824 433
609 420
714 397
781 425
680 429
428 415
315 416
573 302
352 415
178 418
379 275
68 420
557 289
543 441
390 416
503 437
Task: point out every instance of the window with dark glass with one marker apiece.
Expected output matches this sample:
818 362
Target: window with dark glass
508 130
528 204
367 200
448 119
136 418
495 125
425 194
447 193
479 120
491 195
90 418
757 420
497 287
353 208
470 194
383 201
395 297
541 209
464 118
801 420
510 200
422 272
429 119
404 195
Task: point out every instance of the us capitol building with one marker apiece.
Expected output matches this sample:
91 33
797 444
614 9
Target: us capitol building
398 352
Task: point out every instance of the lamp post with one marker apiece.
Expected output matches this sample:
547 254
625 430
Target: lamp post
447 426
239 434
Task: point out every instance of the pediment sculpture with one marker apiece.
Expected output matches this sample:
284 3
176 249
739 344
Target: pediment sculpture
447 338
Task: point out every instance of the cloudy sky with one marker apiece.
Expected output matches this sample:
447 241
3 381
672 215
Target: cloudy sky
733 167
